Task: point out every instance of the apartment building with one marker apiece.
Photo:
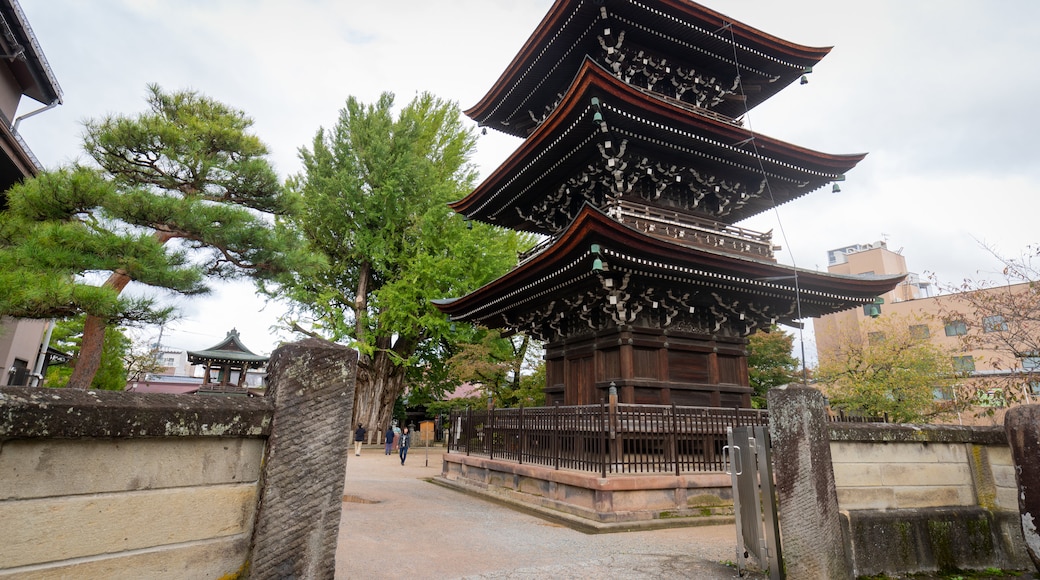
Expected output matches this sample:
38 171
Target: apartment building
945 319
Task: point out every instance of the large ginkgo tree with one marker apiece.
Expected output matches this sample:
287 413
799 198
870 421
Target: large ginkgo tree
373 199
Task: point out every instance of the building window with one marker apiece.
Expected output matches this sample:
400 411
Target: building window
875 337
942 393
994 323
1034 388
964 364
1030 361
956 328
919 331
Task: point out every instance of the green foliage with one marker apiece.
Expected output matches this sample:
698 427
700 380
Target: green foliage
373 200
770 363
531 391
111 376
893 372
187 169
56 230
502 367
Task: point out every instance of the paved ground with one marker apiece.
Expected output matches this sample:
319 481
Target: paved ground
396 524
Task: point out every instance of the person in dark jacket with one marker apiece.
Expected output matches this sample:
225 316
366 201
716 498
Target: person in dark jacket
389 438
406 440
359 438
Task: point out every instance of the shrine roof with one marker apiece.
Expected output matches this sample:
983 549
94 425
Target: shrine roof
230 350
669 130
568 266
686 32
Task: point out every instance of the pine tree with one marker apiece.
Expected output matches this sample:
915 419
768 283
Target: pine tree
179 193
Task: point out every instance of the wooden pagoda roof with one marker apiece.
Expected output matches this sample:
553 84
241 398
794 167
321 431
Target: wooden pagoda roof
668 130
566 269
229 351
686 33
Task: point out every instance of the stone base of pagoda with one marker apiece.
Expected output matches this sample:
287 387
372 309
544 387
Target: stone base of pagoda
590 503
650 367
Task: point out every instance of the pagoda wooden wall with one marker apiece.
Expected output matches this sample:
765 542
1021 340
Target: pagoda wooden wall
648 366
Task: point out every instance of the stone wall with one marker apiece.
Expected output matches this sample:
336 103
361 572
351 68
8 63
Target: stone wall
118 485
909 498
926 497
879 466
97 484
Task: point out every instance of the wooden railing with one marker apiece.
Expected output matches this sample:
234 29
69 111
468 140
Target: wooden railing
695 231
605 439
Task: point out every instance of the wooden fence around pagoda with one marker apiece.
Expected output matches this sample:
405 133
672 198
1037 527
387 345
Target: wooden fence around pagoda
604 439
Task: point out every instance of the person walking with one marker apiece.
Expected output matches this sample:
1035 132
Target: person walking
389 438
359 438
406 439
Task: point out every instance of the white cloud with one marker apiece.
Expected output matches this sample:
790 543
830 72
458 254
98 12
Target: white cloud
939 94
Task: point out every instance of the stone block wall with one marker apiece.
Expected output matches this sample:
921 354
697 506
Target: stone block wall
97 484
922 466
907 498
124 485
926 497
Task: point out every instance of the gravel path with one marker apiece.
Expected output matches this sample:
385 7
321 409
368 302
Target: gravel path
395 524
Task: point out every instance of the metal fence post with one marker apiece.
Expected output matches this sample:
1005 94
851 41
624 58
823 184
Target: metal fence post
556 435
675 442
491 431
522 435
604 454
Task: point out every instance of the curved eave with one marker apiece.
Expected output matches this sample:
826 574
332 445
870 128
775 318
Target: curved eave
567 19
570 259
660 118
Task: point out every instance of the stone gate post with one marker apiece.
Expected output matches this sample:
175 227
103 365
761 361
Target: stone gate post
312 386
808 501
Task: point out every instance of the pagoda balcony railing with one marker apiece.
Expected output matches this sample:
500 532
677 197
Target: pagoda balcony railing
680 228
604 439
690 107
537 249
693 231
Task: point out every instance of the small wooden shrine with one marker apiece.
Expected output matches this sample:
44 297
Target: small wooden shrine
226 364
636 167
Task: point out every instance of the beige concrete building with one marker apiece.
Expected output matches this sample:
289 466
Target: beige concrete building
944 319
24 72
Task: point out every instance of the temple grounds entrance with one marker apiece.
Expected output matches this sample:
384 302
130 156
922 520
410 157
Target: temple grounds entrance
396 524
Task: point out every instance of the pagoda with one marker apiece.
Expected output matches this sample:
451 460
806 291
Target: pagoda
636 168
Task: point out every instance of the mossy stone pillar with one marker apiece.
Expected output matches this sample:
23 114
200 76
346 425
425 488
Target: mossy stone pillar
808 501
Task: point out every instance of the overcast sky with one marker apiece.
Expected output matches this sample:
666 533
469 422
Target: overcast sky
942 94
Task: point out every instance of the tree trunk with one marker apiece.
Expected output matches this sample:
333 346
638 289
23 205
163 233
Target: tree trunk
378 386
89 360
